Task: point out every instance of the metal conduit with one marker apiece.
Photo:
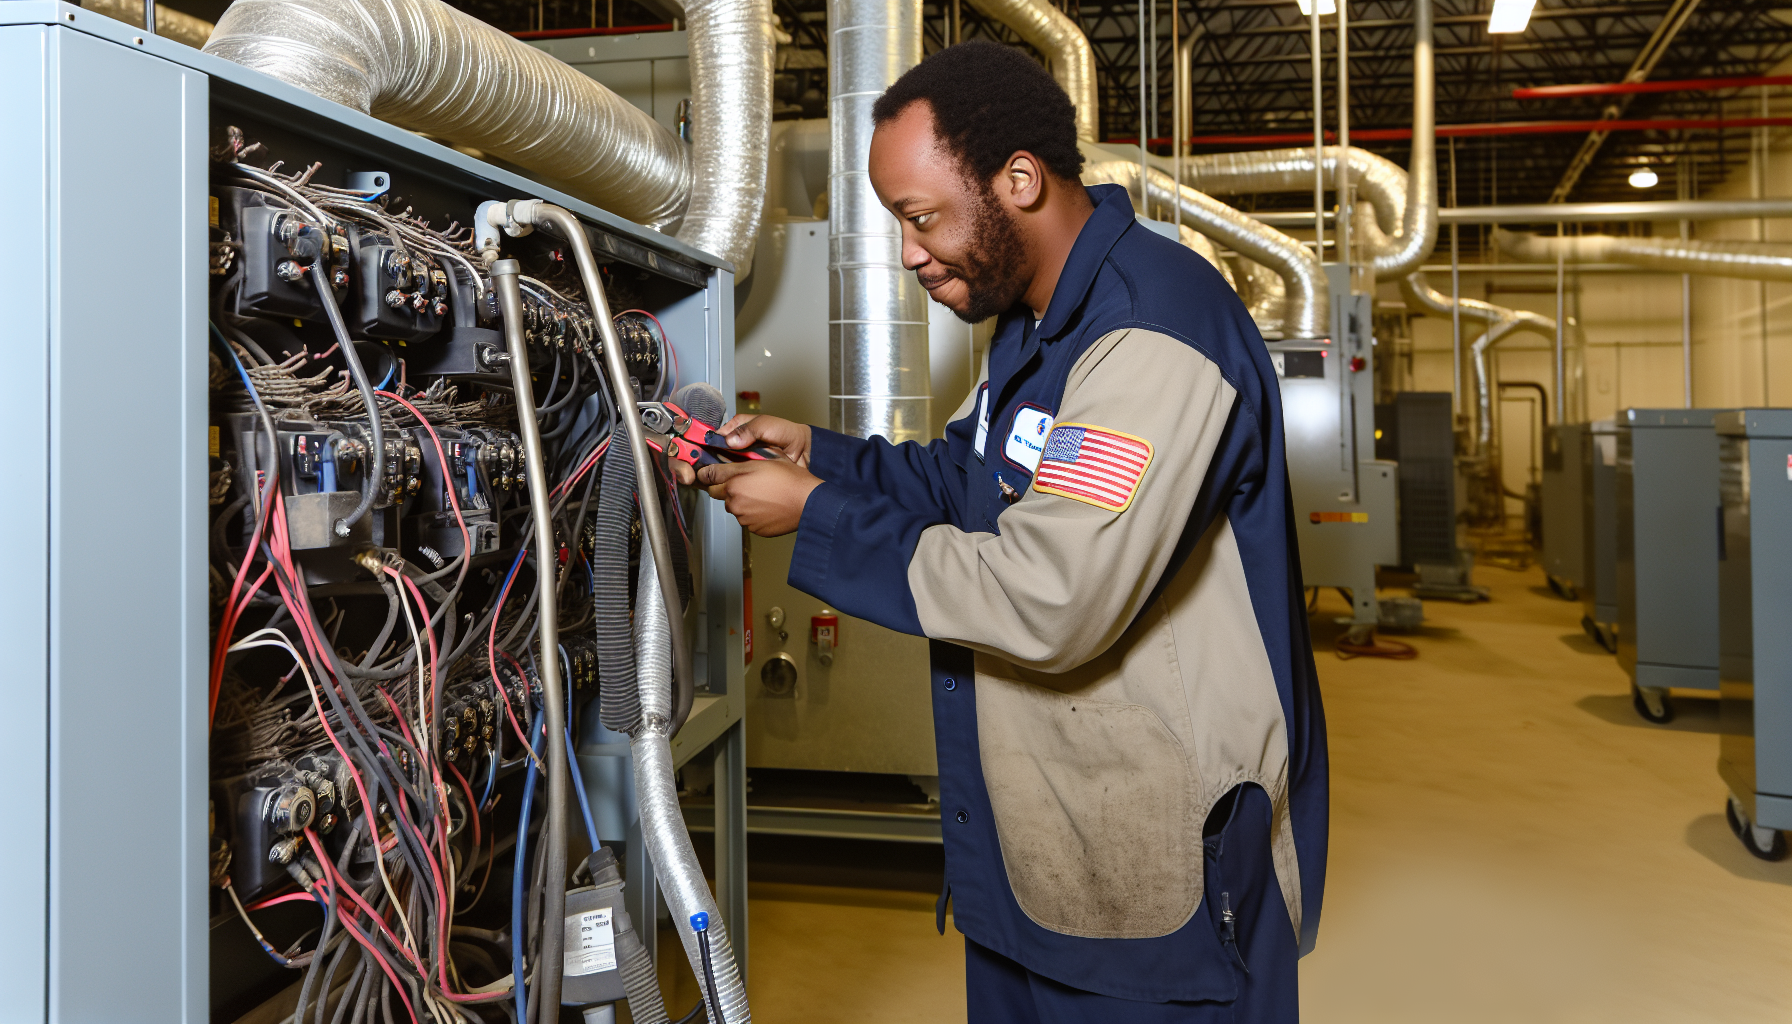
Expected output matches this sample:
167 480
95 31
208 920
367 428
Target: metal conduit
1755 261
878 376
1309 305
1067 52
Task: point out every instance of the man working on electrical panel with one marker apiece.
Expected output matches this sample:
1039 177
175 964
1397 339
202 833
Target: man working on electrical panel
1131 747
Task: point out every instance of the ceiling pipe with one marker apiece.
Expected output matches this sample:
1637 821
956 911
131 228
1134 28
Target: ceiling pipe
1552 92
1597 213
1066 49
1477 131
1501 322
1309 304
1754 261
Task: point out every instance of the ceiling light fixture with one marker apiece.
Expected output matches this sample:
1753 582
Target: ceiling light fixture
1643 178
1325 7
1510 16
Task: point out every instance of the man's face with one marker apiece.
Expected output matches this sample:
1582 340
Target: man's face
957 236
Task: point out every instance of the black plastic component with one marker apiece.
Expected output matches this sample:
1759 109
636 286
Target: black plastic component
280 247
400 294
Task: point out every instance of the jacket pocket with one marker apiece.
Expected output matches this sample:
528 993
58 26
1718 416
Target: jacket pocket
1095 809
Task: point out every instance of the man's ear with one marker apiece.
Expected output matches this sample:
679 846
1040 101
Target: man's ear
1021 181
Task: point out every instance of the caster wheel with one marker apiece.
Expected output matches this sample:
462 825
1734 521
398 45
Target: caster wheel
1652 704
1767 844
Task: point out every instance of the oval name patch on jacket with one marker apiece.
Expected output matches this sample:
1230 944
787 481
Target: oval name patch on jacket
1026 436
1093 465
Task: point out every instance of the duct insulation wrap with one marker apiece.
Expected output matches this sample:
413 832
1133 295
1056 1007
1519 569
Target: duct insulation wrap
1501 323
662 820
878 374
1066 50
1308 312
426 67
731 49
170 23
1755 261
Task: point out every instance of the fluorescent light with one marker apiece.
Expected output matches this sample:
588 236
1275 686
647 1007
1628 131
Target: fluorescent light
1643 178
1510 16
1325 7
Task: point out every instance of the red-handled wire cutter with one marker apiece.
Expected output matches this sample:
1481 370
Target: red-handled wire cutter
672 431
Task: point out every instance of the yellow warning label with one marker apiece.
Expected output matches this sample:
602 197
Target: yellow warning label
1337 517
214 205
213 444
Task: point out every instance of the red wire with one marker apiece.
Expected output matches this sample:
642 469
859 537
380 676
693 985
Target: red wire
472 804
491 651
228 625
288 898
442 460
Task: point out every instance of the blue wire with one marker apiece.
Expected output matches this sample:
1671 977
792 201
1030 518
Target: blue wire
393 372
491 778
578 784
519 872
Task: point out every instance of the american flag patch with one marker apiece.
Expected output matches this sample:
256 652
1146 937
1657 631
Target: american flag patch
1096 466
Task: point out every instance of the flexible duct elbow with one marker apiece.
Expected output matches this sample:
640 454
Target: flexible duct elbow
1501 322
1308 300
1066 49
426 67
1755 261
731 49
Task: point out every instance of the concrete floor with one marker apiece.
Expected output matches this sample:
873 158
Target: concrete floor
1509 843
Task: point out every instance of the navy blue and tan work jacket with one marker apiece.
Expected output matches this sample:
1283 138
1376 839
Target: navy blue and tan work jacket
1102 550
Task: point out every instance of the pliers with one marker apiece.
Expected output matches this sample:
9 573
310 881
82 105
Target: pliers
678 435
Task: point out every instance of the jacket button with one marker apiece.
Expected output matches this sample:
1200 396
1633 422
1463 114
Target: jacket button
951 683
963 817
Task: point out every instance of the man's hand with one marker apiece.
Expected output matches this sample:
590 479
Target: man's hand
767 497
790 438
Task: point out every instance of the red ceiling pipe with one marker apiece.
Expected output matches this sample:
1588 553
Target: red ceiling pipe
1551 92
1471 131
568 33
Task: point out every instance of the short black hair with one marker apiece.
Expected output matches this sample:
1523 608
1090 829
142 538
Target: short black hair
990 101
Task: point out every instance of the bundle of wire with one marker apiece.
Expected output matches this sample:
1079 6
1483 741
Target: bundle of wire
300 671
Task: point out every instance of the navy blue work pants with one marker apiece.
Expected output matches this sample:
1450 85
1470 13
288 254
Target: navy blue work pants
1000 991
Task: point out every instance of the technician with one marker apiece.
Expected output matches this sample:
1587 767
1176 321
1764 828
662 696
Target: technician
1131 746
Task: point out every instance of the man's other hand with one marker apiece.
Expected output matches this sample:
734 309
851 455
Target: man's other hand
767 497
790 438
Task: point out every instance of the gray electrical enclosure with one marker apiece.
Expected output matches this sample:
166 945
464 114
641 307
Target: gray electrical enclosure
108 133
1755 592
1565 469
1667 511
1599 526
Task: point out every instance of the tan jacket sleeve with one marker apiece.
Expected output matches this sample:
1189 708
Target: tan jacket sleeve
1064 578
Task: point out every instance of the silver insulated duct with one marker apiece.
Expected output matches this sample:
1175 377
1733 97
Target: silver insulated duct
1501 323
1067 52
426 67
878 380
1756 261
1308 310
731 48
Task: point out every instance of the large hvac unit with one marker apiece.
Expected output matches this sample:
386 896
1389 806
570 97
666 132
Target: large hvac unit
1564 492
1754 606
127 200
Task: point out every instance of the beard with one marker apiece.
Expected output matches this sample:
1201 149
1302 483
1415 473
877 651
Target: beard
993 261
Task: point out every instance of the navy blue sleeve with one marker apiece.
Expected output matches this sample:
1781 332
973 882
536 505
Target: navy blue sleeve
852 551
916 476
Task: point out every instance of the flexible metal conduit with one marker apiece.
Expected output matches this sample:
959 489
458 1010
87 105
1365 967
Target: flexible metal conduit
547 659
878 376
1066 49
427 67
662 820
1756 261
1502 323
1309 305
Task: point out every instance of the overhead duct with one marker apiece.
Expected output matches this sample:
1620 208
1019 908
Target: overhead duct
170 23
1066 49
426 67
731 47
1405 202
1756 261
1308 302
878 373
1502 323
